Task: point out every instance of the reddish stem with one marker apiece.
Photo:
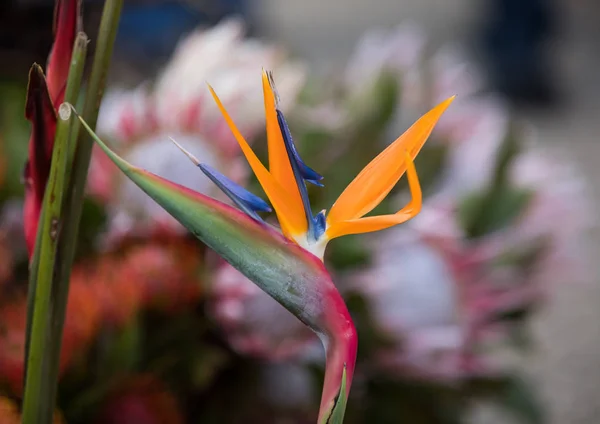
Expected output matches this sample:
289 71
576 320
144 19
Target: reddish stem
341 342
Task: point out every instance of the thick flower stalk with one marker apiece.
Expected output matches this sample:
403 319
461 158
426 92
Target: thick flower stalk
44 95
288 265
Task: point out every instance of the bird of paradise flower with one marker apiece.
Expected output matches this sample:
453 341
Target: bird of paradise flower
288 264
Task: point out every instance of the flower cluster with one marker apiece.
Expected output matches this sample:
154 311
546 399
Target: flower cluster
162 329
161 274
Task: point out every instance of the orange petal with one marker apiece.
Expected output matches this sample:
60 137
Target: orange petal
376 180
376 223
292 220
279 163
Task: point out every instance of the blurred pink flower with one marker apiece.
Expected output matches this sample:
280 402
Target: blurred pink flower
254 323
13 315
559 214
12 345
438 306
178 105
167 268
443 297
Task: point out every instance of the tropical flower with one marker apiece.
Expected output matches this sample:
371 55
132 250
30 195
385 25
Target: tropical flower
285 186
44 95
139 120
290 268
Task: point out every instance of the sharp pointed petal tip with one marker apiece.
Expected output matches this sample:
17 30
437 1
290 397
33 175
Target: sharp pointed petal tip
245 200
449 100
36 74
191 157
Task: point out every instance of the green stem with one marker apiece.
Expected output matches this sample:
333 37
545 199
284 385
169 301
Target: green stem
38 407
79 156
60 286
83 152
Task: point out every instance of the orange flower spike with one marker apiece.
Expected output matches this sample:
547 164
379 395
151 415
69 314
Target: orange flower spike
376 180
291 216
279 164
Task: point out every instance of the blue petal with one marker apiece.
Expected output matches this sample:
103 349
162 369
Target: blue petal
301 172
246 201
306 172
320 223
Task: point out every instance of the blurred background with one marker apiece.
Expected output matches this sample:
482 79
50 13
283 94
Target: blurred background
484 309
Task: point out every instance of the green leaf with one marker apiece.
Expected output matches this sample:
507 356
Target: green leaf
482 213
124 349
347 253
371 109
46 307
93 221
13 139
519 398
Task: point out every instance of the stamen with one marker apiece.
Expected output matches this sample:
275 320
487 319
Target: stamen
320 224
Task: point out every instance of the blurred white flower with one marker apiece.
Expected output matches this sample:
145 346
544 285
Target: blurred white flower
232 65
448 301
254 323
428 309
444 297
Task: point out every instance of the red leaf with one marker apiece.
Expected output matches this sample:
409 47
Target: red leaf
43 96
67 23
40 112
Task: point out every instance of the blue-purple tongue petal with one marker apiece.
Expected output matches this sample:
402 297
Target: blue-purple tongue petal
308 174
302 173
246 201
320 223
